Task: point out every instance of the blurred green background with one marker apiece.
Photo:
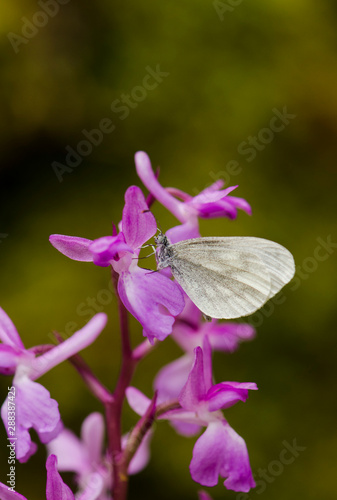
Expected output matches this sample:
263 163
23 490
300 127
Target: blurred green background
228 68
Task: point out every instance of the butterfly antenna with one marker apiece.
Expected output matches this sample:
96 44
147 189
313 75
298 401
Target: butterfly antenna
145 256
151 272
159 228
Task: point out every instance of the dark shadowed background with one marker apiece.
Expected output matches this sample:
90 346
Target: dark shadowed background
223 72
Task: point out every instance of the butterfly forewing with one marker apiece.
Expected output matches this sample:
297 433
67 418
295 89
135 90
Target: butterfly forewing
278 260
230 277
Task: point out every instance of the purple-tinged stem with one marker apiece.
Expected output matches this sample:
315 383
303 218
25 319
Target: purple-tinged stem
137 435
114 408
166 407
96 387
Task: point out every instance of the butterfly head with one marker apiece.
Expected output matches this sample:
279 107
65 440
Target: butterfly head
162 240
164 250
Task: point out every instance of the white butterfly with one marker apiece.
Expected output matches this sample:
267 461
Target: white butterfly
227 277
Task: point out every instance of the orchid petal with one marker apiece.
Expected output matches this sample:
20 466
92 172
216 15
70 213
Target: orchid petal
216 186
153 299
106 249
194 390
42 415
83 457
221 208
8 494
221 451
78 341
226 337
56 489
138 223
137 400
92 434
242 204
185 428
171 378
204 496
94 487
8 333
207 358
70 452
227 394
47 436
146 174
72 246
185 422
189 331
9 358
210 203
210 195
185 231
